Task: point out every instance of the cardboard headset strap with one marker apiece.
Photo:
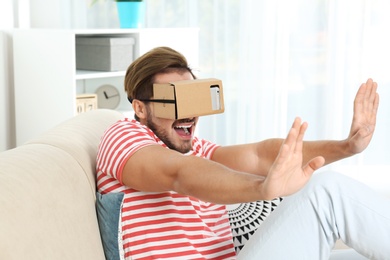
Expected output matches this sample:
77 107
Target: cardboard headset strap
188 98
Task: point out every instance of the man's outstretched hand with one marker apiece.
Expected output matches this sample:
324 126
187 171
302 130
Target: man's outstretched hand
364 117
287 174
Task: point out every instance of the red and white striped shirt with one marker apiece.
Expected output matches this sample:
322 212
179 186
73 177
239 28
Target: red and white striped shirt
163 225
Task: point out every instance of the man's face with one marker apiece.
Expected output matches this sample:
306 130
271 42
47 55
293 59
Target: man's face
176 134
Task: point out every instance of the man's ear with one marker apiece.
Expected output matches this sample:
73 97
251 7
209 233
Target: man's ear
139 108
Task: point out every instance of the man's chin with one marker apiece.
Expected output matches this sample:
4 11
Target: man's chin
184 147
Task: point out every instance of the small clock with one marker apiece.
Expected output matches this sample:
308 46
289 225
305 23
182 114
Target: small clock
108 97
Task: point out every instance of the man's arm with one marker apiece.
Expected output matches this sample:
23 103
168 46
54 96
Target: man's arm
157 169
257 158
287 164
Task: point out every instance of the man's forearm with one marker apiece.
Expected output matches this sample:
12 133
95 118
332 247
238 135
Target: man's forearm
331 150
213 182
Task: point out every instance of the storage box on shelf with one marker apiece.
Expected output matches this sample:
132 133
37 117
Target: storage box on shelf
47 81
104 53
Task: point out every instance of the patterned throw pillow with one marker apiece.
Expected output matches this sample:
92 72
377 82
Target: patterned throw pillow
245 218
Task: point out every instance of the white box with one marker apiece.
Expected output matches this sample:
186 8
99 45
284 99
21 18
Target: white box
104 53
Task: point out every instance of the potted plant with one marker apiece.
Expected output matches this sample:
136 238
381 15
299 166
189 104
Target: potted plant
131 13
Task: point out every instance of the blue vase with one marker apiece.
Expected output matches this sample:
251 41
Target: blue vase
131 14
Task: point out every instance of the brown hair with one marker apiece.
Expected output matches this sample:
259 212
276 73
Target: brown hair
140 74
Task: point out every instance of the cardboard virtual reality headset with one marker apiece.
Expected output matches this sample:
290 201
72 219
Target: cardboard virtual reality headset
188 98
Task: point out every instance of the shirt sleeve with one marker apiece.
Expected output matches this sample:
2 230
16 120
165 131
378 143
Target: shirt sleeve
119 143
204 148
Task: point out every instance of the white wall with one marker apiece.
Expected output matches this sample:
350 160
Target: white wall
7 112
7 122
16 14
69 14
57 14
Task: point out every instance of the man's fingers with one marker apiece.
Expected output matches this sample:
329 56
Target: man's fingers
295 136
372 95
375 97
367 98
294 131
372 87
299 140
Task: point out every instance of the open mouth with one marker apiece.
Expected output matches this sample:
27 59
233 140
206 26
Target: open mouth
184 129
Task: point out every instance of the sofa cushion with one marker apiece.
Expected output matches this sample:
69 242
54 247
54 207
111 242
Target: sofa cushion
47 192
47 210
80 137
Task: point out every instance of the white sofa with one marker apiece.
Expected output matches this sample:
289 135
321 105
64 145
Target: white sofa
47 193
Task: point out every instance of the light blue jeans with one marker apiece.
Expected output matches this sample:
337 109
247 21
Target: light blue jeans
307 224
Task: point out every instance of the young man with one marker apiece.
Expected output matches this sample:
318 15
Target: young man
175 185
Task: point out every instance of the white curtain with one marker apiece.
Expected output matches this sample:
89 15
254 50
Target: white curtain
282 59
279 59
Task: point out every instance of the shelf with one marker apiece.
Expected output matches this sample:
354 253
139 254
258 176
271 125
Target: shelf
89 74
46 89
